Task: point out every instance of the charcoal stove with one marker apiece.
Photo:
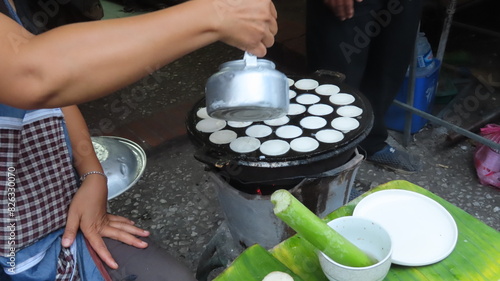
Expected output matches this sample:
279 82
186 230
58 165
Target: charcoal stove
320 174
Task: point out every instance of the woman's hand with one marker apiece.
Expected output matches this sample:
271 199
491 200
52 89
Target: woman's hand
249 25
343 9
88 213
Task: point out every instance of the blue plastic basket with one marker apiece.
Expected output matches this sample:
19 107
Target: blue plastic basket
425 93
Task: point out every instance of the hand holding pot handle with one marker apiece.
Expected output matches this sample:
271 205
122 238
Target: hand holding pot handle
249 25
250 59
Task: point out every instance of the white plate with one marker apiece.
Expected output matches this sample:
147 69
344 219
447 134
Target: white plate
422 231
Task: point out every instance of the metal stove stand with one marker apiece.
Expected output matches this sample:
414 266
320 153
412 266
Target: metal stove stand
249 218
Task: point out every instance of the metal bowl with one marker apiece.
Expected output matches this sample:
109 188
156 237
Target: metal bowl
123 162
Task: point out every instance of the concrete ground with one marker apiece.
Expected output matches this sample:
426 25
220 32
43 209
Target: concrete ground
175 198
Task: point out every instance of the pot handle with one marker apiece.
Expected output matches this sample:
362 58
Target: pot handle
250 60
340 77
203 154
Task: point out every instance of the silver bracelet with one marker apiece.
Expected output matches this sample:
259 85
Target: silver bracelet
82 178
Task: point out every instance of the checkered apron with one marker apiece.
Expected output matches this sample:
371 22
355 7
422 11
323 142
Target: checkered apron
37 182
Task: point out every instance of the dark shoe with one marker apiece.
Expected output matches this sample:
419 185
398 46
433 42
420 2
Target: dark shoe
396 160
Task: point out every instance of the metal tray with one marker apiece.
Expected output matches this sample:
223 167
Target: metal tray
123 162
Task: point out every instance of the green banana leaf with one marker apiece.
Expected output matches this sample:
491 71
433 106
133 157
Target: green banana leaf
476 255
253 265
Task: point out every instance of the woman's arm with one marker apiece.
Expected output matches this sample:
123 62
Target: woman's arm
87 210
84 61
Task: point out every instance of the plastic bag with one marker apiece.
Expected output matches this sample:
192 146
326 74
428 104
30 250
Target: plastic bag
486 159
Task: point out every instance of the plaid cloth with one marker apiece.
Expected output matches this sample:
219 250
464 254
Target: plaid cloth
35 161
66 269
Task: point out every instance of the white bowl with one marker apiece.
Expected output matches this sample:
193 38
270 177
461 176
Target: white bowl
371 238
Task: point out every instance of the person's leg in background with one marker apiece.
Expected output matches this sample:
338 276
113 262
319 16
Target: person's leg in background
391 51
338 45
373 49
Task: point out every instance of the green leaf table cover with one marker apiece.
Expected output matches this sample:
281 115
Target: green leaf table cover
476 255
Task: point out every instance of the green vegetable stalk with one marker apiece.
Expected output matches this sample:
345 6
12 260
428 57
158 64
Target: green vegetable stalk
316 231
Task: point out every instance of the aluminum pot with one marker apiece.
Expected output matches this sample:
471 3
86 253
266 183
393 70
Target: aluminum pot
250 89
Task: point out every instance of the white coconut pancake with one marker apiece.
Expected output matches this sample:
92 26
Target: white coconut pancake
342 99
313 122
304 144
320 109
291 94
349 111
244 144
202 113
345 124
308 99
223 137
258 131
296 109
210 125
327 89
274 147
277 122
306 84
288 132
278 276
290 82
239 124
329 136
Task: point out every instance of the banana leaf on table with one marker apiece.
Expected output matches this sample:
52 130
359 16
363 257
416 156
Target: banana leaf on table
253 265
475 257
